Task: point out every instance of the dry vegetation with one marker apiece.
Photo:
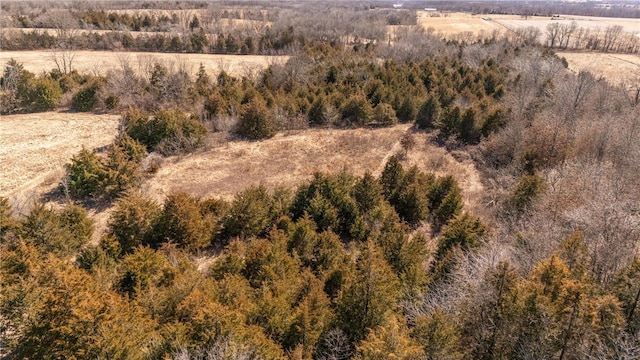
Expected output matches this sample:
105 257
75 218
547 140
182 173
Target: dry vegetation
616 68
500 219
102 61
33 159
448 24
35 147
589 22
289 160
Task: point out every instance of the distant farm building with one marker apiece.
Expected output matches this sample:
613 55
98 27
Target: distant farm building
397 6
430 9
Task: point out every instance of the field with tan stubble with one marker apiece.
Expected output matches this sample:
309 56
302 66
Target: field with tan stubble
101 62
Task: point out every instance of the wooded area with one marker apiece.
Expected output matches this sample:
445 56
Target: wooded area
389 264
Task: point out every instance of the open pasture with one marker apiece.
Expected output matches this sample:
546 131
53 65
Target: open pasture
101 62
616 68
512 22
449 24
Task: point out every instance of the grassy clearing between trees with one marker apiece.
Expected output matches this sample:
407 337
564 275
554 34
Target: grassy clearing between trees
289 160
100 62
35 147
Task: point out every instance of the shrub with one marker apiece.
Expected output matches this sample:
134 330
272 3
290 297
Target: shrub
464 231
132 221
87 97
328 201
42 94
384 114
112 101
7 222
357 110
256 121
250 213
89 175
183 223
85 174
122 170
62 232
168 131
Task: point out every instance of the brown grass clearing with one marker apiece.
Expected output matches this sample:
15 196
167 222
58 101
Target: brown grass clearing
447 24
616 68
453 24
588 22
35 147
290 159
101 62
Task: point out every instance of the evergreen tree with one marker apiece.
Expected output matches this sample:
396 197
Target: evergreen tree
429 114
391 177
407 111
465 231
60 232
85 174
256 122
371 298
438 335
183 222
389 341
367 192
250 214
132 220
357 111
384 114
468 132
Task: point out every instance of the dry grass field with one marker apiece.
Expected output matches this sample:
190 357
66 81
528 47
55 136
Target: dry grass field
290 159
449 24
35 147
616 68
102 61
588 22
